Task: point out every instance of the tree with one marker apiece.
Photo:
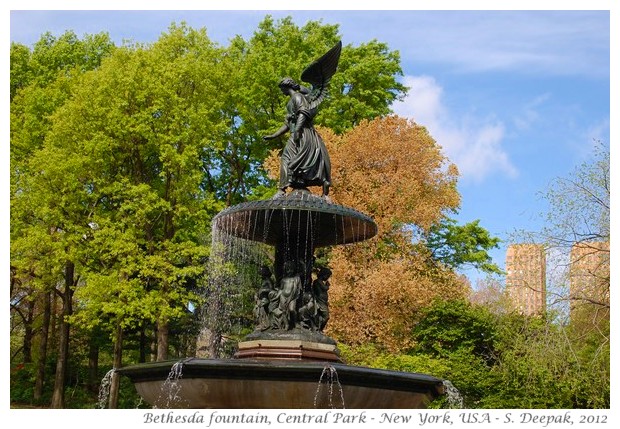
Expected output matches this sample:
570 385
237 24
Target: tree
447 326
40 83
141 122
576 236
20 74
462 245
541 365
391 169
579 204
490 292
364 87
465 338
110 184
43 243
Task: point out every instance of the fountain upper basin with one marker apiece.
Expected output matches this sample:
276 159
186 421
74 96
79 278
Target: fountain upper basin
299 213
285 384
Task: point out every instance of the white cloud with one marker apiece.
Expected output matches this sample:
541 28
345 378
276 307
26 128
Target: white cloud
590 138
473 144
530 114
597 132
531 42
535 42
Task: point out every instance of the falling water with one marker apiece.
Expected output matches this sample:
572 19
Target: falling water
329 379
104 389
234 267
169 395
453 396
243 240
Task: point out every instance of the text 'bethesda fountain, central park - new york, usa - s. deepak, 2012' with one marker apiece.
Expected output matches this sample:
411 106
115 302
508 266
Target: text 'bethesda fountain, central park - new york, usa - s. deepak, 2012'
287 362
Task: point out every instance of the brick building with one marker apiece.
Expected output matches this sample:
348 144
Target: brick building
589 280
526 278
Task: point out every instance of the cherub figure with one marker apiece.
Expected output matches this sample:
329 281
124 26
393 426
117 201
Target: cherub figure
290 290
320 288
261 310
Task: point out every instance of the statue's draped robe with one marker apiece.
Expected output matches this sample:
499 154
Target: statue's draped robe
306 162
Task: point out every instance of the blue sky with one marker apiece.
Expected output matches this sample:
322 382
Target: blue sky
514 97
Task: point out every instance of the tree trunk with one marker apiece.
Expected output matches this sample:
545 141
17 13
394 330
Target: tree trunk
153 346
162 340
28 331
45 327
93 363
52 341
58 397
143 345
118 362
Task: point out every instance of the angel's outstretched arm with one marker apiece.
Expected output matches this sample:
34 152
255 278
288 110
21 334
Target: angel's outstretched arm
283 129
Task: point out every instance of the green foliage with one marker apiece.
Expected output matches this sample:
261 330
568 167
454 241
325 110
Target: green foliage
22 383
80 395
469 374
464 337
364 87
41 81
463 245
128 397
534 363
542 366
450 326
372 355
20 75
139 123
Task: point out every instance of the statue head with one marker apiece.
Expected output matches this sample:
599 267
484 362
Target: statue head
287 82
290 268
265 272
324 273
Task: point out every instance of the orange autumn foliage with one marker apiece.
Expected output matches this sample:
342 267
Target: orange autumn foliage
380 302
393 170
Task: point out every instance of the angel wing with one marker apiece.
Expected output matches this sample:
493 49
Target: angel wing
319 74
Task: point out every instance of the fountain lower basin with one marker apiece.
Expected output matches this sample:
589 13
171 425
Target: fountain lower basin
283 384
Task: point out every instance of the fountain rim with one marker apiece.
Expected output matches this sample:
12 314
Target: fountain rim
301 202
270 370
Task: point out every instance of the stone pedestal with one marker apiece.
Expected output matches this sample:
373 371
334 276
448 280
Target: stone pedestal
296 344
287 349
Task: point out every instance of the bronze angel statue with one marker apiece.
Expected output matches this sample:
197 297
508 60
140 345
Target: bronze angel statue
304 161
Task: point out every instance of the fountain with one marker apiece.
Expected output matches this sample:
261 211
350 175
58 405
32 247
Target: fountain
288 362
